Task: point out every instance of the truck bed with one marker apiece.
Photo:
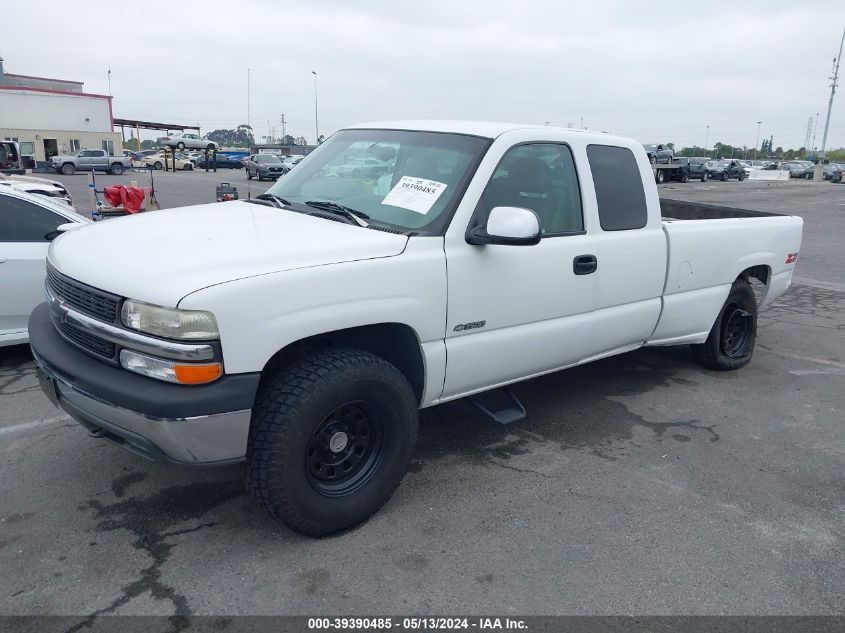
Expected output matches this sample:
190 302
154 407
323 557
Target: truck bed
681 210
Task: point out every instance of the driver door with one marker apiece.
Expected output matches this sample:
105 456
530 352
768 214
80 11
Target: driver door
23 254
517 311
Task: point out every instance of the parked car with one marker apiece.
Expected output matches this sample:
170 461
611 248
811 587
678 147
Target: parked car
140 155
158 161
263 166
726 169
829 170
63 193
796 170
223 162
362 167
191 141
28 223
293 160
695 167
90 160
38 189
300 331
659 153
809 168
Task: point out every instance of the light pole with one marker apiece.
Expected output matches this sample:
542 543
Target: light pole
820 165
757 142
316 115
706 138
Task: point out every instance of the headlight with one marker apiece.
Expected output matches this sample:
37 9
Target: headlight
170 371
169 322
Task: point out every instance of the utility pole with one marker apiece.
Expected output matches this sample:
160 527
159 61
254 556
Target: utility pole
812 147
757 142
809 134
316 115
284 127
582 123
820 167
706 138
247 98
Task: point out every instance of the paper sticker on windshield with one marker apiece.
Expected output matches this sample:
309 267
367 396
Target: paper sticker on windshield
415 194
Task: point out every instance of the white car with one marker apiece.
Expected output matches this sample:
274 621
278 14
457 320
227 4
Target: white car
191 141
46 190
28 223
44 186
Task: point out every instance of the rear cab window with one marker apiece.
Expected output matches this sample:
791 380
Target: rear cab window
619 188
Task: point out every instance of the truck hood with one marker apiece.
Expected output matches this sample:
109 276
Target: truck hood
161 256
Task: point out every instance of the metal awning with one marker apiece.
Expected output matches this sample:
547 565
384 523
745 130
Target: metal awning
151 125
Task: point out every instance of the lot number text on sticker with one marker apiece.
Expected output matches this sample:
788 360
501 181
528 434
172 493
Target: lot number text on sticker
415 194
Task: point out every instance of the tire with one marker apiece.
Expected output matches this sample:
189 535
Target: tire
659 176
704 177
68 169
157 165
685 178
116 169
653 160
730 344
180 146
741 176
209 147
724 177
334 391
187 167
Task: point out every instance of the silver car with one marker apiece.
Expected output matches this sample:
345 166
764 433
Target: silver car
191 141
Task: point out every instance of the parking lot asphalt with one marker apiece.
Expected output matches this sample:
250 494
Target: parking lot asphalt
640 484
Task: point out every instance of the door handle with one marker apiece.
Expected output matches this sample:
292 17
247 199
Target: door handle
584 264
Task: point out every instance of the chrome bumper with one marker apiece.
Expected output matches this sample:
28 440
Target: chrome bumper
208 439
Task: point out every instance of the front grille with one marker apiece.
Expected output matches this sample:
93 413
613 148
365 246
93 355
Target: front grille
86 341
85 299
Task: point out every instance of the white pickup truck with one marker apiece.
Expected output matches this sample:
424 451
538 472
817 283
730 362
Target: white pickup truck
300 331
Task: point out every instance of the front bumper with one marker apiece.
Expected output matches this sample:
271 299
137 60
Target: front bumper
206 424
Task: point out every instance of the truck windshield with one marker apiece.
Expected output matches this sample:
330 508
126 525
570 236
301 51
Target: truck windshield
408 179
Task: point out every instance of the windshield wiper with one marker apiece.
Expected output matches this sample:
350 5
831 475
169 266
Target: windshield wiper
354 215
279 203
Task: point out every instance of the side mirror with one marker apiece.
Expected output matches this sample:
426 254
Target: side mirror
513 226
63 228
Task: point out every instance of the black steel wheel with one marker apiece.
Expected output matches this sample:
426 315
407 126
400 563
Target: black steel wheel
330 439
704 177
660 176
346 449
730 343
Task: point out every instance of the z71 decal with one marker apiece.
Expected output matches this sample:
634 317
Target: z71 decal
462 327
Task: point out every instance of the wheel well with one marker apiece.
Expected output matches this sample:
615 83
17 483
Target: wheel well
761 273
397 343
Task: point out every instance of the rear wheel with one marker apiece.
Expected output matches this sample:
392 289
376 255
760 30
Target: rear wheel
187 167
330 440
704 176
180 146
68 169
724 177
741 176
685 178
117 169
730 343
660 176
209 147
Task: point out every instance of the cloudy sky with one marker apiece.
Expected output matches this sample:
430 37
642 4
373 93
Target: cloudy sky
624 66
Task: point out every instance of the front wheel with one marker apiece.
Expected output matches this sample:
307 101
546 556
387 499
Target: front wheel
724 177
660 176
741 176
730 343
180 146
330 440
158 165
704 177
68 169
187 167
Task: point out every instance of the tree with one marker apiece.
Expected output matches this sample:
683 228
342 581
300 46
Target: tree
288 140
301 141
239 137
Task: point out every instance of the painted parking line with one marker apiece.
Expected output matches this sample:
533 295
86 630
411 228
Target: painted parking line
34 424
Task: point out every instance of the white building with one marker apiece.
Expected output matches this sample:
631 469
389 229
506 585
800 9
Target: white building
53 116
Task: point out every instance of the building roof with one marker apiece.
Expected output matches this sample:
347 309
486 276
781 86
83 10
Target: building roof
58 92
61 81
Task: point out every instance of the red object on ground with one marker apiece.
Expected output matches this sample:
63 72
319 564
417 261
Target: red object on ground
130 198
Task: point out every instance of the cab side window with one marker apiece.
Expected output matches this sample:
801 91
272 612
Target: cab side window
540 177
619 188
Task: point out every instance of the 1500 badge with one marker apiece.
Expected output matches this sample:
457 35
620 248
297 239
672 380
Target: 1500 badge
462 327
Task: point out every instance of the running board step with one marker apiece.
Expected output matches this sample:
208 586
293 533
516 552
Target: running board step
500 405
